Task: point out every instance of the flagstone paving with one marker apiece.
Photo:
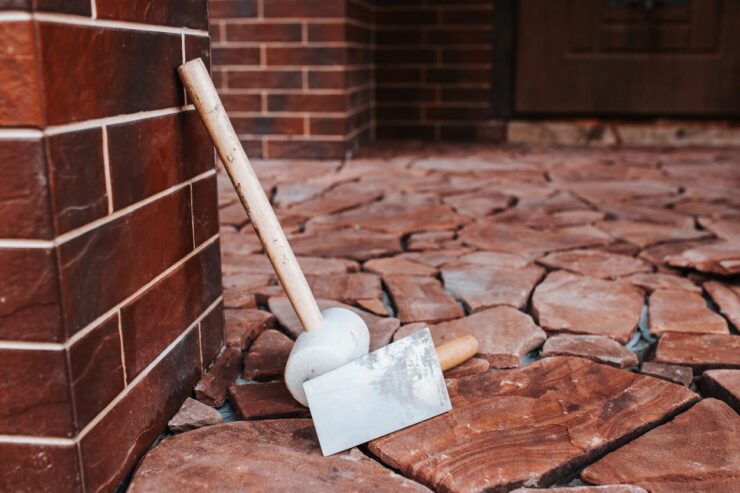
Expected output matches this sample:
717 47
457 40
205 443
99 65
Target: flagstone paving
627 259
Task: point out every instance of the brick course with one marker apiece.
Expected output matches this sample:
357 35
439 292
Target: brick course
108 206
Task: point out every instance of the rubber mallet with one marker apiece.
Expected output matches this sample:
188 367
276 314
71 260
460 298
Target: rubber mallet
331 338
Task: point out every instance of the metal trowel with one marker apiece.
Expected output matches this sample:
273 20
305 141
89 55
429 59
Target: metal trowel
384 391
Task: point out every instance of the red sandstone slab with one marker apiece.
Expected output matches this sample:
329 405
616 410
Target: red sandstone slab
346 288
381 329
658 253
243 243
266 358
421 299
727 297
645 234
474 366
722 257
374 306
398 265
211 389
260 264
505 335
596 348
698 450
265 400
241 327
682 375
480 286
653 281
565 302
434 240
533 425
699 351
437 258
340 198
683 311
495 259
346 243
612 488
269 456
723 385
595 263
193 415
479 204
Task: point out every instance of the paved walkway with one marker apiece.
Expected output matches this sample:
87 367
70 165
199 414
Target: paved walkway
603 287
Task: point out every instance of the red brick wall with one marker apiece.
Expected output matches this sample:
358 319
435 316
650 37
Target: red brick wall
108 236
295 76
433 68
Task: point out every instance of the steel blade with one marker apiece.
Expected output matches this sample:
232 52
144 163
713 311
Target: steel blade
381 392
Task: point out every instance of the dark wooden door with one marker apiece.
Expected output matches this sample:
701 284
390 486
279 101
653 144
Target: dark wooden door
628 57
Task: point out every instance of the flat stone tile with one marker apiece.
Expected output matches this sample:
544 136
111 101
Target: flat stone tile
612 488
727 298
421 299
260 264
265 400
495 259
346 288
505 335
699 351
653 281
480 203
645 234
268 355
193 415
595 263
532 425
682 375
660 461
242 327
352 244
722 257
474 366
270 456
480 286
434 240
723 385
683 311
398 266
596 348
568 303
212 388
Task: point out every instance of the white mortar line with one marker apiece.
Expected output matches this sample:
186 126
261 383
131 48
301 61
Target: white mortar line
110 120
123 357
20 133
93 9
32 346
106 169
14 15
133 26
30 440
13 243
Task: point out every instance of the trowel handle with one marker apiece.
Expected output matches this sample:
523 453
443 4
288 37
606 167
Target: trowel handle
203 94
456 351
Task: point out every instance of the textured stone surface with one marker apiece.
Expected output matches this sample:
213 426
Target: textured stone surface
723 385
398 266
699 351
722 257
596 348
269 456
267 356
683 311
612 488
347 288
241 327
265 400
480 286
505 335
421 299
348 243
682 375
727 297
565 302
473 366
651 282
595 263
212 388
645 234
193 415
532 425
660 461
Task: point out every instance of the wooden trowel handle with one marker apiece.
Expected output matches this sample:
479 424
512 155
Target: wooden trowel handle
456 351
203 94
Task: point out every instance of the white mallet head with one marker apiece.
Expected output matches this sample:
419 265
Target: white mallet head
341 338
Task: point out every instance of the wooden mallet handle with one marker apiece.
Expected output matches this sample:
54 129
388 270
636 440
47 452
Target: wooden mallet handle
456 351
203 94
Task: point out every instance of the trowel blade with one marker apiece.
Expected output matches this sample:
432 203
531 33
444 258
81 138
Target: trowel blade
376 394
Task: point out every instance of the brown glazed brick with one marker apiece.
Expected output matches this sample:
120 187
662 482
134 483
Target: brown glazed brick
115 443
150 155
77 176
154 319
308 149
34 393
449 112
324 103
37 468
397 36
467 17
205 209
406 131
102 267
212 334
241 102
269 125
20 89
141 76
457 75
357 34
179 13
265 31
77 7
15 4
406 17
30 310
214 32
398 75
327 125
467 94
253 148
228 9
406 95
458 36
301 56
405 55
96 370
198 47
267 79
398 113
466 56
327 79
24 195
325 31
235 56
301 8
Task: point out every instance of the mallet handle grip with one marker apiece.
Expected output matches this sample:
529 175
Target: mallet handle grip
203 94
456 351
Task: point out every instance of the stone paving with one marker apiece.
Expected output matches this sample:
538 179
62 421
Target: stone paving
603 286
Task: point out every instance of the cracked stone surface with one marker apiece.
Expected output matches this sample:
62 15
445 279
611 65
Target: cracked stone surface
723 385
421 299
683 311
699 351
660 461
682 375
612 488
596 348
595 263
727 297
267 356
193 415
265 400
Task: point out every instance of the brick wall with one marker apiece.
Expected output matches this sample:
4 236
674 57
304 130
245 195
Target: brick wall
110 292
433 69
295 76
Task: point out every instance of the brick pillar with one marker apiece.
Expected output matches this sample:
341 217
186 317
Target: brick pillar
295 76
110 284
